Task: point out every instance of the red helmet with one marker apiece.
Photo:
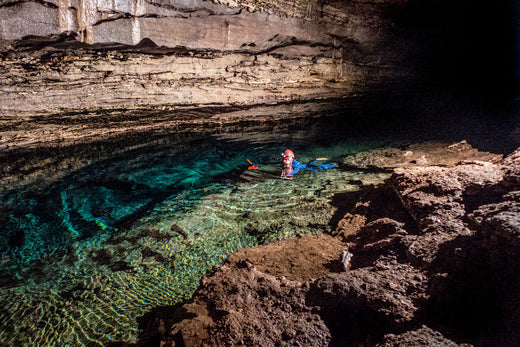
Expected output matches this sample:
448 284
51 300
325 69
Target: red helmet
289 153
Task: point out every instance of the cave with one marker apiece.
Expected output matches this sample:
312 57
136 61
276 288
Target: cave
140 147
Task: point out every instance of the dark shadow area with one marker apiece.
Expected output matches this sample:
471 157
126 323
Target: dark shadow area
157 323
353 319
382 237
335 266
343 202
349 319
490 195
373 201
468 46
466 299
478 299
155 326
384 221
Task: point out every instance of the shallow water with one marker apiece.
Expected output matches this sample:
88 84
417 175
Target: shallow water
94 240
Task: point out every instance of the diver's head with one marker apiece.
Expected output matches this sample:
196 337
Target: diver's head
288 153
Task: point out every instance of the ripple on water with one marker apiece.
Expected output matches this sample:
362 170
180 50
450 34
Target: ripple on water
141 230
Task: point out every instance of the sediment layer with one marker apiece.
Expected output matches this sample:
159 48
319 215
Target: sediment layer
91 55
125 80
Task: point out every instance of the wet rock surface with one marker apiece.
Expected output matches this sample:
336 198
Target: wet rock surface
437 266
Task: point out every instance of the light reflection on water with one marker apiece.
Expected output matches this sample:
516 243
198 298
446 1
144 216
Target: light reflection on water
86 252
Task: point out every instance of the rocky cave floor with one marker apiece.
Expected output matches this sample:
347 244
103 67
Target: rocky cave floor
435 262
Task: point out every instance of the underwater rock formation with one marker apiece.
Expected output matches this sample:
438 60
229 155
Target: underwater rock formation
437 266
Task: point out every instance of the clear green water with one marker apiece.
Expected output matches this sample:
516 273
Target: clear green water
88 250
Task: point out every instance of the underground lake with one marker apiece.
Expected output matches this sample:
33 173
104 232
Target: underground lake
95 235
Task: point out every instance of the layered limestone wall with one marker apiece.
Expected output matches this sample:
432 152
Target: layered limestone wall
181 22
120 80
245 51
63 55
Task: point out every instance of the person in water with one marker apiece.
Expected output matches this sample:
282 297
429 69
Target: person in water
291 166
287 170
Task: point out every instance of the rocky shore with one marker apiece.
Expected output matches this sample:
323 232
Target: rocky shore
434 262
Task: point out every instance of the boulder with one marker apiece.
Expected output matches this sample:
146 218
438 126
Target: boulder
358 306
258 297
512 170
423 336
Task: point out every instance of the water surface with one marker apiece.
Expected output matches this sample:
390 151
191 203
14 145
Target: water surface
101 233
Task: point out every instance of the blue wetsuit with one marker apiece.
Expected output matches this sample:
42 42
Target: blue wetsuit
297 166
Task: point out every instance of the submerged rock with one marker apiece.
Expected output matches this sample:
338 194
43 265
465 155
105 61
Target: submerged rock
447 275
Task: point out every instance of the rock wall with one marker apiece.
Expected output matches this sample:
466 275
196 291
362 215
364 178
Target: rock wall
220 23
84 55
187 52
118 80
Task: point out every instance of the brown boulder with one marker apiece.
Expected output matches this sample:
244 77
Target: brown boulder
258 297
360 305
423 336
439 198
512 170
